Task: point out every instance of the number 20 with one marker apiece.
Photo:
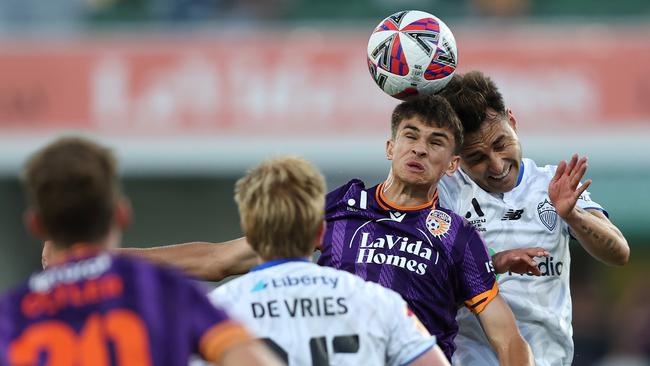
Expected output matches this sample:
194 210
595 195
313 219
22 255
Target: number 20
65 348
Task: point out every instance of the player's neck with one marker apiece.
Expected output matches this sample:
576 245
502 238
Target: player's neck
60 254
403 194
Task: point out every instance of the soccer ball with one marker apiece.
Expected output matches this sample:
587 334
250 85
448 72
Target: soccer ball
411 52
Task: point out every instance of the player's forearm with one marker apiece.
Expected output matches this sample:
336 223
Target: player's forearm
515 352
600 238
189 257
207 261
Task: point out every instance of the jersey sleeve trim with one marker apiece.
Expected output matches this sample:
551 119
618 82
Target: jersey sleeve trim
222 337
597 209
477 303
426 348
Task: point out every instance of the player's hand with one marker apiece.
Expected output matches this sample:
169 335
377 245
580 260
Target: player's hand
563 189
518 260
46 253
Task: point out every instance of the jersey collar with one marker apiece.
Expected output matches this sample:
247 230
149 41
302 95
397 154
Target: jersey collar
276 262
521 173
387 205
75 253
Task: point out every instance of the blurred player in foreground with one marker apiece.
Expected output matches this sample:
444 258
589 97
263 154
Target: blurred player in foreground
515 204
313 315
395 234
93 308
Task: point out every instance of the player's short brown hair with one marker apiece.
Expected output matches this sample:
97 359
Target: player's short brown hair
73 185
434 111
472 96
281 206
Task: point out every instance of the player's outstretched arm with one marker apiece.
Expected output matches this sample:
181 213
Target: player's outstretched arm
499 325
599 236
207 261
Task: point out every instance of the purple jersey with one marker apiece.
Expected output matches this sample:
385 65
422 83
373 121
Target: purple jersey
432 257
108 310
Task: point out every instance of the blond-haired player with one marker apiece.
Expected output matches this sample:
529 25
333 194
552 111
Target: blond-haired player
312 315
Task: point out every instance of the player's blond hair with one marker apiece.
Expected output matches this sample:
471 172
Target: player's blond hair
281 206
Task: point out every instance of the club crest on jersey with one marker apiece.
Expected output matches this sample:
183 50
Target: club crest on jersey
547 214
438 223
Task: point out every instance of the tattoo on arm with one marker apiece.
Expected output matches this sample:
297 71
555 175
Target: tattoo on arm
609 245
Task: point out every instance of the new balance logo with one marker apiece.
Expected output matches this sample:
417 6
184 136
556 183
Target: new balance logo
512 215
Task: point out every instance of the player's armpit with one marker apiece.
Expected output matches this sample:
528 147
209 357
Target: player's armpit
432 357
250 354
499 326
207 261
229 343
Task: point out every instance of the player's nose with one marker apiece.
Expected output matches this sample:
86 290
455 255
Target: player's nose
495 164
419 149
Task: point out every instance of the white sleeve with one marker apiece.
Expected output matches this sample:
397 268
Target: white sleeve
585 203
448 193
408 339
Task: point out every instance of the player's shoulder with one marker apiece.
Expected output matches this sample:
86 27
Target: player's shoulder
352 186
12 296
455 181
534 172
451 189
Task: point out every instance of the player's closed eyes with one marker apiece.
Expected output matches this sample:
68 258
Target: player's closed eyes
475 159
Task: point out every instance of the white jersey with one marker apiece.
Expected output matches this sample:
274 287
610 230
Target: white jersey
521 218
315 315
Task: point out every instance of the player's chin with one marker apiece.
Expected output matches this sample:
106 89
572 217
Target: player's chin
501 186
420 180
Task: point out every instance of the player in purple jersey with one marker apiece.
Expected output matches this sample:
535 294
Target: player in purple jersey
94 308
395 234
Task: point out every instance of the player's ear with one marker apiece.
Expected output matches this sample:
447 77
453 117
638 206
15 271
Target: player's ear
321 231
123 213
512 121
453 165
389 149
319 237
34 223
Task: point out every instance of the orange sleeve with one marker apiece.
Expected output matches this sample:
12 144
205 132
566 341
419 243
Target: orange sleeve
222 337
477 303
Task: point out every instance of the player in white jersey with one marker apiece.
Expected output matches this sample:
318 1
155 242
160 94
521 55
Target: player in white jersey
516 205
313 315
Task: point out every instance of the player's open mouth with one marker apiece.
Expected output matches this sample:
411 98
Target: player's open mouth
415 166
502 175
